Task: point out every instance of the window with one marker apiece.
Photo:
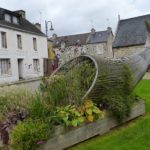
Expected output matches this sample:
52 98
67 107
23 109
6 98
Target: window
34 44
7 18
19 41
5 67
3 40
15 20
36 66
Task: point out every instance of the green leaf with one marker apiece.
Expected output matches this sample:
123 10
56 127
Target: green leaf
77 114
74 123
65 119
89 111
96 110
68 123
81 119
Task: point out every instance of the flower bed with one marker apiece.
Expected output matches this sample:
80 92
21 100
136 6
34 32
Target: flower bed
61 102
87 131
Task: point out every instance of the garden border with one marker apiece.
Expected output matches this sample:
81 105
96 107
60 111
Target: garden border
90 130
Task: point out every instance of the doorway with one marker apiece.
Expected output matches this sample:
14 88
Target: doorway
20 68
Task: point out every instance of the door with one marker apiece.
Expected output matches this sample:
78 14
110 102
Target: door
20 68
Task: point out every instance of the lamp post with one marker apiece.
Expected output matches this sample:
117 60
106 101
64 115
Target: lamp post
46 27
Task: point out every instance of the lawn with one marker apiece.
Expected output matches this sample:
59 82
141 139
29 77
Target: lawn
132 136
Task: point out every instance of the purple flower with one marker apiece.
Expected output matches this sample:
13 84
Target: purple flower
40 142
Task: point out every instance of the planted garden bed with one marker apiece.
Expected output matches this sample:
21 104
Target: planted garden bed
87 131
69 107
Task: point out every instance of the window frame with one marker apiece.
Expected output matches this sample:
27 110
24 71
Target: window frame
36 65
8 15
5 67
34 43
3 39
19 41
17 20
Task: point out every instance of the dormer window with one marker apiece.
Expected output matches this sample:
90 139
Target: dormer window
7 18
15 20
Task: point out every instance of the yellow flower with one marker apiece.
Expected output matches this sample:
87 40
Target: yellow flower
88 104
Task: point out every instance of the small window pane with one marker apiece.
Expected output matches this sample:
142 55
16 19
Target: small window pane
34 44
3 40
7 18
5 67
19 41
15 20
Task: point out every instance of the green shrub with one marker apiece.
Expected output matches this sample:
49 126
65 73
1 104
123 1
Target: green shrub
12 98
39 109
54 90
69 115
70 84
116 96
119 106
26 135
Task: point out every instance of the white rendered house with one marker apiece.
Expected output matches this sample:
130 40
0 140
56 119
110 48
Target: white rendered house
22 47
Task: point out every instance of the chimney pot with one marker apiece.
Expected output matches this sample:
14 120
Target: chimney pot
93 31
38 26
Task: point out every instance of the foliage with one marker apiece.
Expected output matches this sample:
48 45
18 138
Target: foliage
26 135
127 80
39 108
54 90
91 111
117 97
12 98
70 84
70 115
119 106
132 136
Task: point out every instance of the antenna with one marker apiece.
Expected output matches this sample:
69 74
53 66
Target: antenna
92 23
108 22
118 17
40 17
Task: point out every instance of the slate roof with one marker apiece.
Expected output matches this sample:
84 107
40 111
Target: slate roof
81 39
131 32
98 37
24 25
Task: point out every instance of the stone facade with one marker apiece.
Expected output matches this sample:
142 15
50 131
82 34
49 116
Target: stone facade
129 50
88 43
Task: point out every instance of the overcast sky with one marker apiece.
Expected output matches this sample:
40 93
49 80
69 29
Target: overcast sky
78 16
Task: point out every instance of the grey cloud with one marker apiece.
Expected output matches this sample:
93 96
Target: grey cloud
74 16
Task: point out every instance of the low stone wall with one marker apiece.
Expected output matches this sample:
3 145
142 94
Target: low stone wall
85 132
30 84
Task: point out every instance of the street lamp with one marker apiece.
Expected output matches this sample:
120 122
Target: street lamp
46 27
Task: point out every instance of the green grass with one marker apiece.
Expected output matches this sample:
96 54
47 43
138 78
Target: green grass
132 136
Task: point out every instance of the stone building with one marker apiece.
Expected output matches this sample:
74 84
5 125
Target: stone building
131 36
22 47
93 43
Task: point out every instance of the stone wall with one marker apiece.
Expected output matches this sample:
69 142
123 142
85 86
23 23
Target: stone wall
30 85
125 51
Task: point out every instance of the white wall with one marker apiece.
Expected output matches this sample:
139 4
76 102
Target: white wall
27 53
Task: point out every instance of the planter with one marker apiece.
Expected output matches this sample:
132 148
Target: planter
87 131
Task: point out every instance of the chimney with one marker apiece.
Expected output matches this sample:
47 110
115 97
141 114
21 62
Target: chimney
54 36
21 12
93 31
109 29
38 26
